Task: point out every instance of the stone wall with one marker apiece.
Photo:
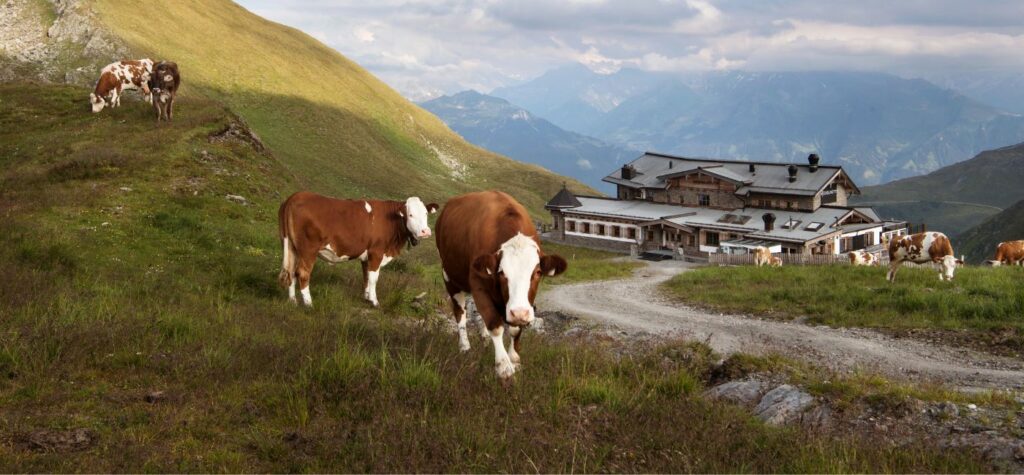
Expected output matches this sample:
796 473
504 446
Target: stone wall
592 243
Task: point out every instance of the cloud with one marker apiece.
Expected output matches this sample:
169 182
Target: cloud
428 47
584 164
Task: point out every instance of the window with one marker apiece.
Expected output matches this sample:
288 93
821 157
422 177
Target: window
615 231
704 200
631 233
711 238
814 226
792 224
691 240
600 230
570 226
585 228
790 205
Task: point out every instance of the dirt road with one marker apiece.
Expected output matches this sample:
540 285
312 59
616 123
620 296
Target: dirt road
636 305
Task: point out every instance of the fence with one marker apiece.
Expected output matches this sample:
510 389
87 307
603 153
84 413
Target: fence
804 260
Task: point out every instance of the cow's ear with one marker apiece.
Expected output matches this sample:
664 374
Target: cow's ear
552 265
432 208
401 214
485 266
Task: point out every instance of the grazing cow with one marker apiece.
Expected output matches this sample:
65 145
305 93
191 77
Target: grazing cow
1009 253
762 256
775 261
921 248
862 258
372 231
489 250
118 77
163 84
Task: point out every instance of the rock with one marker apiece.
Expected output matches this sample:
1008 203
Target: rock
61 440
154 397
237 199
747 391
818 417
782 405
948 409
537 325
972 407
574 331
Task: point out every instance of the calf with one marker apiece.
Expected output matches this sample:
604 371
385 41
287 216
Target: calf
490 251
921 248
163 84
762 256
118 77
862 258
1009 253
775 261
372 231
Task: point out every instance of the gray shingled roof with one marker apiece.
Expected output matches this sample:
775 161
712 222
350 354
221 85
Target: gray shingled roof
652 168
564 199
710 218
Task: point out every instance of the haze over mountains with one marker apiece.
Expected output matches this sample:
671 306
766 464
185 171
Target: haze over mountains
879 127
501 127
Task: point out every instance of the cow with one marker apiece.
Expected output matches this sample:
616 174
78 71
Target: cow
775 261
118 77
490 251
762 256
921 248
1008 253
372 231
163 85
862 258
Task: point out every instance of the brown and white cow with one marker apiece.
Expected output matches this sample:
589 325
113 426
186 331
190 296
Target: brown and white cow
118 77
762 256
163 84
1008 253
921 248
862 258
775 261
490 251
372 231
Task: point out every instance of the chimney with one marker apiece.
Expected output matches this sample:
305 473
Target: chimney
769 222
792 173
752 168
628 172
813 160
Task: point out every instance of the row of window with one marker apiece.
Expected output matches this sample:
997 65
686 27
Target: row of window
600 229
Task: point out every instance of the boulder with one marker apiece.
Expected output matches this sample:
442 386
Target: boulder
746 391
783 405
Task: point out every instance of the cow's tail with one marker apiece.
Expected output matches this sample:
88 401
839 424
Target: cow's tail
288 254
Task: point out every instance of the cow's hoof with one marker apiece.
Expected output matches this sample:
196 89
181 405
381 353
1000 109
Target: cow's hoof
505 370
464 346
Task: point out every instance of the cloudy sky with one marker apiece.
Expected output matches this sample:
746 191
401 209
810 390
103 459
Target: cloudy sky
426 48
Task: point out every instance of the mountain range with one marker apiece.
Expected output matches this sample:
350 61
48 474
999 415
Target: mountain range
955 198
502 127
879 127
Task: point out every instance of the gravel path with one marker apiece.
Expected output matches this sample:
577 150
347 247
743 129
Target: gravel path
636 305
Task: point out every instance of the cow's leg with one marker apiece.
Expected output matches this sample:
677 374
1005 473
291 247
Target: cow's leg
459 310
170 108
373 265
481 325
893 267
304 271
502 364
513 345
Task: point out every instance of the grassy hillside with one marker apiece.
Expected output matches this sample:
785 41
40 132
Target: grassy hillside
955 198
141 314
333 125
979 243
985 303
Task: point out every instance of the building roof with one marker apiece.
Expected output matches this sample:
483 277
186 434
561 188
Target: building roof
747 221
564 199
652 169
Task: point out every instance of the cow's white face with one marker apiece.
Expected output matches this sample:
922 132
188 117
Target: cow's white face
97 102
519 272
415 214
949 264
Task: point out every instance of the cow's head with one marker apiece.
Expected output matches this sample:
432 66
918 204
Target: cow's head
517 268
414 212
949 264
97 102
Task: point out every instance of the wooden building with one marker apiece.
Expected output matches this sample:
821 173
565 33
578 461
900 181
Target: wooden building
700 206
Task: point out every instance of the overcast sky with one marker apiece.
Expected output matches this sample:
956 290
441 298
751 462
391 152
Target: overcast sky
426 48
